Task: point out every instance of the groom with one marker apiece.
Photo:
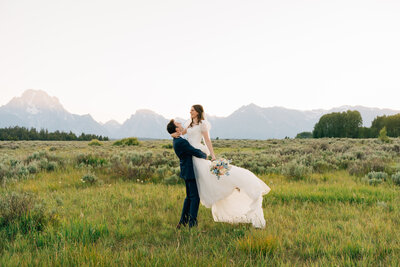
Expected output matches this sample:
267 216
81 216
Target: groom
185 151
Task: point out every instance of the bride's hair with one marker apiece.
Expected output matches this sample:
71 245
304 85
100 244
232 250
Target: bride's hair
200 115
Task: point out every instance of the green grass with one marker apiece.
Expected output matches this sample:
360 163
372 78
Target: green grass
326 219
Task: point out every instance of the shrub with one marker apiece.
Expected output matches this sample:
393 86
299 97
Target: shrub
118 143
51 166
372 181
14 205
173 179
139 172
33 167
95 142
296 171
322 166
89 178
168 146
21 212
375 178
11 168
175 170
22 171
131 141
138 158
42 160
362 167
3 172
38 155
92 160
377 175
162 171
396 178
43 164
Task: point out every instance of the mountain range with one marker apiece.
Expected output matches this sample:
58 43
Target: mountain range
35 108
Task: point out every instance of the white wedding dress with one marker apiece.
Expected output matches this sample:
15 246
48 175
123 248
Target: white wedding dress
236 198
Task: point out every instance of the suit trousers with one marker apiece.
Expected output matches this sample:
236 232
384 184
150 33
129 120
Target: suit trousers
191 204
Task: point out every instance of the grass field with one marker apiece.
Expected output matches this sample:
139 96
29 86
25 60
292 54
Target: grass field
323 209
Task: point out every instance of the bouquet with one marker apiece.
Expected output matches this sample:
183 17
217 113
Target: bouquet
220 167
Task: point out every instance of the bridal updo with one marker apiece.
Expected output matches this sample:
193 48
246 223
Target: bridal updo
200 113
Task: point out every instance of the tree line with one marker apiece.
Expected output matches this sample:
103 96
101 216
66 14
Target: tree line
21 133
348 124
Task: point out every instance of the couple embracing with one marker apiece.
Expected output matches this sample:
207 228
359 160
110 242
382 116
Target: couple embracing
236 198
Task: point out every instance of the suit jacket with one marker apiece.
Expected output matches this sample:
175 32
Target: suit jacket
185 151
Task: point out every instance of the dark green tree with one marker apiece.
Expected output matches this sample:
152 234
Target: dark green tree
338 124
304 135
392 124
21 133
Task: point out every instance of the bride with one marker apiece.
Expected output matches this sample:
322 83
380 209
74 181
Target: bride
236 198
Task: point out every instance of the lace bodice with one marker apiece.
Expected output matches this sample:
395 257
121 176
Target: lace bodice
195 136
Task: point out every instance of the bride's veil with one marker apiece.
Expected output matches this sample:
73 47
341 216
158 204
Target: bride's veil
206 124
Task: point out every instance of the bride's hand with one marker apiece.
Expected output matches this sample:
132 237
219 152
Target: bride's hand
175 135
213 158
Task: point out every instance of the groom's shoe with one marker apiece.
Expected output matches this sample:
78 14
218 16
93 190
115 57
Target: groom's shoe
179 226
192 224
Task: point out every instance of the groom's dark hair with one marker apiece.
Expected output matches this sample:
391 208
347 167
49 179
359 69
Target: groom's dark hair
171 127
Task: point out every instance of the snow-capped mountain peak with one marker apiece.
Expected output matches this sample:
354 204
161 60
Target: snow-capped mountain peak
35 101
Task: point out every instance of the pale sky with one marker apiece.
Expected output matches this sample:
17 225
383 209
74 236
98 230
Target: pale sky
111 58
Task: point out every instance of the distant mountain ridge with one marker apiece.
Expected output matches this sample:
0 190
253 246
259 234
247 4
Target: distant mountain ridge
35 108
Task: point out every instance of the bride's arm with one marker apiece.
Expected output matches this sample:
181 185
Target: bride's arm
209 144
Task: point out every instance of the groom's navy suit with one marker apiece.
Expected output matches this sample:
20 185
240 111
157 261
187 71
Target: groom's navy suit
185 151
